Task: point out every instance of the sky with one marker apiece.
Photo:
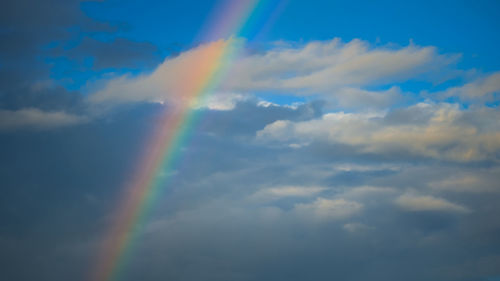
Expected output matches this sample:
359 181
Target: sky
249 140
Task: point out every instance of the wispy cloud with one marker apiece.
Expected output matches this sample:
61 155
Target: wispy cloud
286 191
37 119
481 89
328 68
428 203
323 208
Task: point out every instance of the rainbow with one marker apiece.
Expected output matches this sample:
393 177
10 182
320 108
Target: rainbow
172 131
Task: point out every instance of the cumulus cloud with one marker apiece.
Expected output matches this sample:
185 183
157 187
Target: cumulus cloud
35 118
428 203
426 130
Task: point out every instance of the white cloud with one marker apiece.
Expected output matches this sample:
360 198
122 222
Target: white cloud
222 101
330 68
36 118
426 130
428 203
326 65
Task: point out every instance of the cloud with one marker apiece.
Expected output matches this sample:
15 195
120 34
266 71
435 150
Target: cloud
428 203
170 81
479 181
286 191
323 208
222 101
35 118
356 227
428 130
355 98
205 227
332 64
329 68
44 95
363 191
484 88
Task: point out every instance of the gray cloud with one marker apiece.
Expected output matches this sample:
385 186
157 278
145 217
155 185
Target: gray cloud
226 213
428 203
34 118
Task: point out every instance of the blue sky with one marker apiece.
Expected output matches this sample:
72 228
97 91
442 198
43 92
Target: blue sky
455 26
461 27
349 140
